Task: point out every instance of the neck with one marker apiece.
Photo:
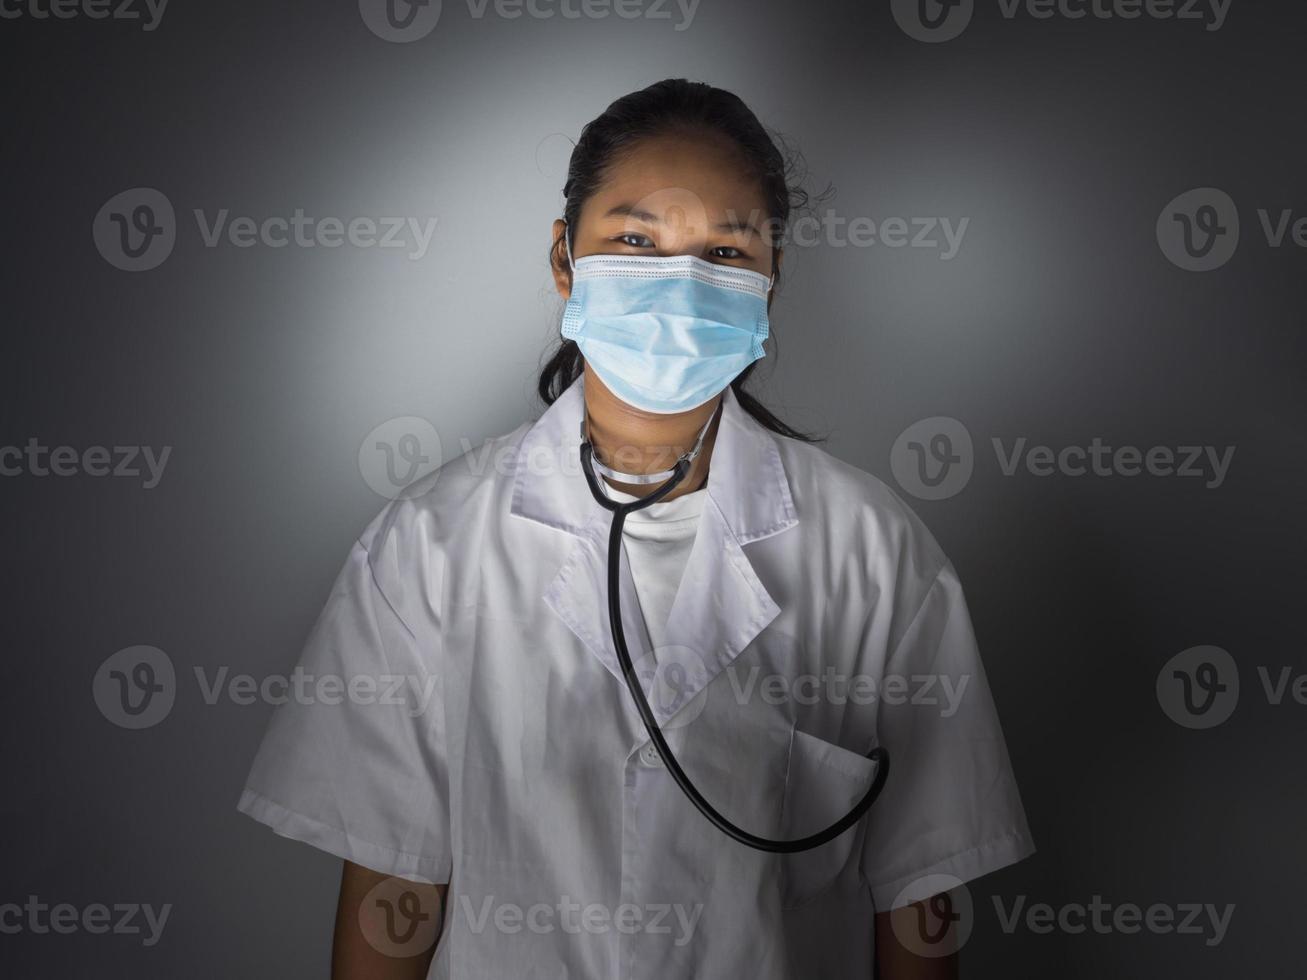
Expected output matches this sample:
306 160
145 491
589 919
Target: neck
633 441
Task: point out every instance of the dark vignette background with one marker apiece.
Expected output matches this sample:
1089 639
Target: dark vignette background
1059 320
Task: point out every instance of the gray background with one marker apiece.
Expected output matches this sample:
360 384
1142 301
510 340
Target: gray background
1059 320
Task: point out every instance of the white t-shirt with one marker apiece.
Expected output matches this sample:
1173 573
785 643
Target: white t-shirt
658 541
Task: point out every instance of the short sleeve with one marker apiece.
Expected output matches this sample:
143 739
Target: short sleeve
950 805
352 761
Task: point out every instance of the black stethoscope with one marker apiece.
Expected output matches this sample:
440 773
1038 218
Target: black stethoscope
672 478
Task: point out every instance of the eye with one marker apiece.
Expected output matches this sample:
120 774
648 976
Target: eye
726 252
635 240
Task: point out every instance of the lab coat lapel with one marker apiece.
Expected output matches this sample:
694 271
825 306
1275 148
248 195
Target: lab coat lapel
578 595
550 488
721 604
720 607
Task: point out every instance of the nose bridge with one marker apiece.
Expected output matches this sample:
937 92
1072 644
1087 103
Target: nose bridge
690 247
684 225
683 240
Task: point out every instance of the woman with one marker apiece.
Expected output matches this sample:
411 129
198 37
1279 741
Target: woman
788 616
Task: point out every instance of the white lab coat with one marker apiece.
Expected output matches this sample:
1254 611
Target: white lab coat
517 770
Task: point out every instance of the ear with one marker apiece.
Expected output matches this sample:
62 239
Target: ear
558 260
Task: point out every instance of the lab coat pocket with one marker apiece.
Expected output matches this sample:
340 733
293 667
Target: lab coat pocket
822 784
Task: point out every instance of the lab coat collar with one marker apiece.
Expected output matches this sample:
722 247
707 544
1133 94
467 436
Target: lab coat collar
747 481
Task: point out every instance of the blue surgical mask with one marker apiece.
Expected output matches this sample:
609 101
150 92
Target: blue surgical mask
665 333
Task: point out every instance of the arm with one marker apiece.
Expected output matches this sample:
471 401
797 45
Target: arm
386 927
895 961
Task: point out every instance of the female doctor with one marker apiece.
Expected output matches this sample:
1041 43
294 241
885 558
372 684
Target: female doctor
799 643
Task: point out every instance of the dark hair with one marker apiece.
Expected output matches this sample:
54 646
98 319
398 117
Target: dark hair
664 106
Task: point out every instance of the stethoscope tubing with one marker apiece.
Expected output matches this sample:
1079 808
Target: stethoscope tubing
619 512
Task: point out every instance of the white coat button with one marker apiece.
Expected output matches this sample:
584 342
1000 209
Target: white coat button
649 756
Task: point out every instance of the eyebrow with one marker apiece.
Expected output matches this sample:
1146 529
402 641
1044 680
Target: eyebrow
631 211
733 224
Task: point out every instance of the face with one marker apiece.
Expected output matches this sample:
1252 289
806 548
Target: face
687 193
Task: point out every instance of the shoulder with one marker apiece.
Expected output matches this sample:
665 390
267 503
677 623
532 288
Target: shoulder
408 542
842 507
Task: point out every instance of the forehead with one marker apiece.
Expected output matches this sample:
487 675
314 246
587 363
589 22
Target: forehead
692 170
